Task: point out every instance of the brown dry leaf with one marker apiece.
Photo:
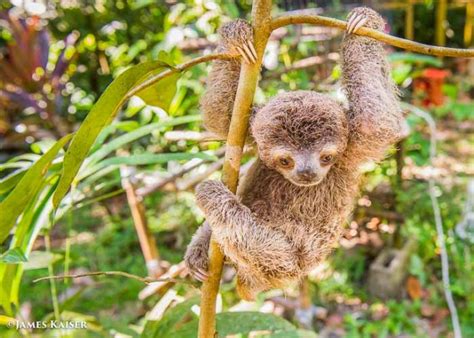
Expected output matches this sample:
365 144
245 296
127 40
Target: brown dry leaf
414 288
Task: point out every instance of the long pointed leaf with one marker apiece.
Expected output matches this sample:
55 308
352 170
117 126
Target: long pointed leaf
14 204
35 217
120 141
9 182
143 159
167 325
232 323
100 115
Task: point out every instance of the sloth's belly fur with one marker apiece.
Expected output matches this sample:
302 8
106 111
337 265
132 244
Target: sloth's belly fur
311 218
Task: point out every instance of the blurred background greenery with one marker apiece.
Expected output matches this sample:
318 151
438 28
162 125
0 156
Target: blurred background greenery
57 58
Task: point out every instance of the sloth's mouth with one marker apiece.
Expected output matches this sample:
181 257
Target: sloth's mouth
306 183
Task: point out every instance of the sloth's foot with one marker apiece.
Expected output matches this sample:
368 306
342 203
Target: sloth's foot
248 52
197 261
238 39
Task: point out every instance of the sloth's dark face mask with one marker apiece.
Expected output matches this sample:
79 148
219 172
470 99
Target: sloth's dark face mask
305 167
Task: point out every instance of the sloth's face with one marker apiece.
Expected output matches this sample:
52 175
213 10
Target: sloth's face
301 134
305 167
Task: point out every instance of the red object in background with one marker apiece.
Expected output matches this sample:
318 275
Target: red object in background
431 82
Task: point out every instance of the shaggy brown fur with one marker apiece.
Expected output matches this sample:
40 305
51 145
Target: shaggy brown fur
218 100
293 201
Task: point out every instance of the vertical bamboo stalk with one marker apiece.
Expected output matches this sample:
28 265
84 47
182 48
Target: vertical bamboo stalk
409 20
468 27
441 11
261 20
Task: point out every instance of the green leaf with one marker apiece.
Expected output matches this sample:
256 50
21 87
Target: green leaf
5 320
41 260
292 334
43 146
161 94
14 165
416 58
100 115
232 323
28 186
25 157
96 175
401 73
166 58
245 322
35 217
13 256
166 326
9 182
107 131
139 133
143 159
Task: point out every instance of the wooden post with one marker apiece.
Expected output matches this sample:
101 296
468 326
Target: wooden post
146 239
468 27
441 11
261 20
409 20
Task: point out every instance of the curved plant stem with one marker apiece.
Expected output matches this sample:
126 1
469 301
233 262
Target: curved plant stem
300 17
249 73
179 68
146 280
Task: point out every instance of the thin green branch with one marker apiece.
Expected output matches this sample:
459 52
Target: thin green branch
179 68
302 17
146 280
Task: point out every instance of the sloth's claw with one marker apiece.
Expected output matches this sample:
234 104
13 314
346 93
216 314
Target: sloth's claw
248 53
248 46
355 22
203 273
200 275
244 55
360 24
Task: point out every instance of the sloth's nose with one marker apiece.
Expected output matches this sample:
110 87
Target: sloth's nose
306 173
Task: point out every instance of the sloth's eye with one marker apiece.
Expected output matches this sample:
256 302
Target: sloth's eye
326 159
285 162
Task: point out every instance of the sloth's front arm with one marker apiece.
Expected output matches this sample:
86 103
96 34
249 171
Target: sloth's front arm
375 116
244 241
236 38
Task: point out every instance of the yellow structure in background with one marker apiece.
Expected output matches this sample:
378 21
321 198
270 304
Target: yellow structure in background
441 7
441 22
469 26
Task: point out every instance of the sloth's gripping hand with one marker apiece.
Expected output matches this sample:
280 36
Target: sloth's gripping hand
237 39
197 256
218 203
364 17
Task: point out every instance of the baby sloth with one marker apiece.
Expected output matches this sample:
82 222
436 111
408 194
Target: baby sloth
292 203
